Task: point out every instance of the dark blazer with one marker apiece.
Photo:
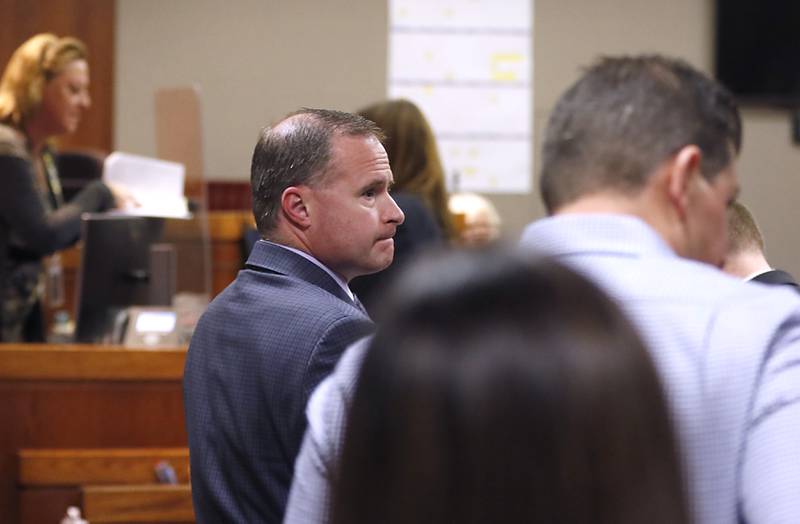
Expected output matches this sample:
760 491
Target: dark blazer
776 277
256 355
33 223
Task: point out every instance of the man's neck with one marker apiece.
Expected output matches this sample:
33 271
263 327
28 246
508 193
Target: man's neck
309 256
746 264
608 203
649 205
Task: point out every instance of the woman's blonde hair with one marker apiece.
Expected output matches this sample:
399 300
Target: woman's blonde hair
35 62
413 155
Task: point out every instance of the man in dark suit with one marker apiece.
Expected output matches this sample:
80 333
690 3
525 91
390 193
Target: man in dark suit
321 201
746 256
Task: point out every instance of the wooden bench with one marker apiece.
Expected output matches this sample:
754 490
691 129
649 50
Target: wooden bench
109 485
82 397
142 503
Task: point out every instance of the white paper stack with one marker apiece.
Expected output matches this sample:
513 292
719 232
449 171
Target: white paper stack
156 185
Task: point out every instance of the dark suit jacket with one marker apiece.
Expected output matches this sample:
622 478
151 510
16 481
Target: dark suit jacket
776 277
257 353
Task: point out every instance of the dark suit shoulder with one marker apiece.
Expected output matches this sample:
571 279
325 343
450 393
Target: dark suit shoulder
268 257
776 277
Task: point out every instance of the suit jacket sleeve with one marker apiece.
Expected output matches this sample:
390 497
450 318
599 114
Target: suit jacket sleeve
330 347
309 498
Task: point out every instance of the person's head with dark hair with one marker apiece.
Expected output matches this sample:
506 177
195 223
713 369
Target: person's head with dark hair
649 136
413 155
503 390
320 181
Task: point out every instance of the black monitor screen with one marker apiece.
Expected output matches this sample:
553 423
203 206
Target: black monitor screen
114 272
758 50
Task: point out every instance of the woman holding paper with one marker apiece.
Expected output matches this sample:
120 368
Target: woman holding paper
44 91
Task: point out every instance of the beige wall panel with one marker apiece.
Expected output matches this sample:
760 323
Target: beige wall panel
257 59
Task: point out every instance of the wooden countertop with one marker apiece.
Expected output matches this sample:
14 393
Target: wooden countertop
90 362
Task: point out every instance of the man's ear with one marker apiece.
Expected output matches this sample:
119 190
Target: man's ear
682 169
294 205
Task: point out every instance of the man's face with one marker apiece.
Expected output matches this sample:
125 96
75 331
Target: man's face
707 226
353 217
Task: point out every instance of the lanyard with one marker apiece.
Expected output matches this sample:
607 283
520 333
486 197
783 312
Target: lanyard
53 183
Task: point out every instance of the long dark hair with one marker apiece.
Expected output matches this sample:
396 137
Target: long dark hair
414 156
503 390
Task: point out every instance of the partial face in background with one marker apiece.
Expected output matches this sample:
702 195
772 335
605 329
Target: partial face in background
707 225
353 217
65 97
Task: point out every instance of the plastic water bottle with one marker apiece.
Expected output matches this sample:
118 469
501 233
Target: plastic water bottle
73 516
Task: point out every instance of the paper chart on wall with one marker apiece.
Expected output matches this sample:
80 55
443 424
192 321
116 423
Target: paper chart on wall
467 64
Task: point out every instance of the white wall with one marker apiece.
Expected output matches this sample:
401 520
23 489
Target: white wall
258 59
254 60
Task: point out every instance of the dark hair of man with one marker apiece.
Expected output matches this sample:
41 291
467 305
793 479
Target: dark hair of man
502 390
299 156
743 232
626 116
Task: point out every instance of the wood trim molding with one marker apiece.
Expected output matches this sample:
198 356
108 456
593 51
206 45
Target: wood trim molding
146 503
74 467
82 362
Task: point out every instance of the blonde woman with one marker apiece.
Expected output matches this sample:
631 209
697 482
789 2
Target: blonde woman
44 91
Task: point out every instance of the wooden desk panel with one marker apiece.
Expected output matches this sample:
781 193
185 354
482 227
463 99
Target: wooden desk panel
146 503
97 466
76 362
80 396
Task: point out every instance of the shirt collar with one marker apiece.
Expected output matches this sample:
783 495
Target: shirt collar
620 234
754 274
311 258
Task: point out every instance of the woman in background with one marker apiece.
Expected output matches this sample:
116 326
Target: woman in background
414 157
44 91
507 391
419 190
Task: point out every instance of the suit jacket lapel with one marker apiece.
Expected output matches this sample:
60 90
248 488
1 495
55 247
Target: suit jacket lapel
275 259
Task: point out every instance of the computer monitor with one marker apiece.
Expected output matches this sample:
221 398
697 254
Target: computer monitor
115 272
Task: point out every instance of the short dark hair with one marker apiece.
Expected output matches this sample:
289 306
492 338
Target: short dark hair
743 232
505 390
300 156
624 117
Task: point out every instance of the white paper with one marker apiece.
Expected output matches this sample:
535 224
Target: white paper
468 66
157 185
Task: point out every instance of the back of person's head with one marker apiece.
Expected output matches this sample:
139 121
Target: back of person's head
413 155
627 115
36 61
295 151
743 232
746 253
504 390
